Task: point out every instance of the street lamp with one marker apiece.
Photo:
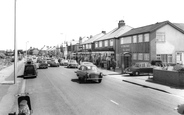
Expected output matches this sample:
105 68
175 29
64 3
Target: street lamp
15 44
26 48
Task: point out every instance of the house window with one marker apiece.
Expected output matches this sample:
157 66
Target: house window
96 44
89 46
146 37
140 56
134 39
111 42
100 43
127 40
146 56
160 37
134 56
83 46
121 40
140 38
166 58
169 56
106 43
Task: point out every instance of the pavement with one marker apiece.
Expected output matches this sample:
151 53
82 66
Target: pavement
144 81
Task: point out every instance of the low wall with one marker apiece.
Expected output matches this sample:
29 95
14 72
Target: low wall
169 77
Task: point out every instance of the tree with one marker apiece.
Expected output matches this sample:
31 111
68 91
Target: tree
2 55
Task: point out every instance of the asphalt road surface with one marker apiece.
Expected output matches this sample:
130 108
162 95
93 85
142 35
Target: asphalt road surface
56 91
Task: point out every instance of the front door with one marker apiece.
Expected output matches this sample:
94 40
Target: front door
127 60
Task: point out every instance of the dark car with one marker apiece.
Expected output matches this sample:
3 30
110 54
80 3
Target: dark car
72 64
139 68
30 70
54 63
43 64
89 72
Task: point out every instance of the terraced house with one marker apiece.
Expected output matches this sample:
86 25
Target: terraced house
108 45
160 41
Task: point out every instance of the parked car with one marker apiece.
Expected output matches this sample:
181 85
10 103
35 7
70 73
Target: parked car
139 68
43 64
54 63
30 70
72 64
64 62
89 72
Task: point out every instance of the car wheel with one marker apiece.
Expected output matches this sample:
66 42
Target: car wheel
136 73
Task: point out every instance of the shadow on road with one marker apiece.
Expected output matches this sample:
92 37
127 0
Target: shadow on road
87 82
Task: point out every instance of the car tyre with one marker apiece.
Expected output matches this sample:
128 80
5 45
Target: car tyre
99 80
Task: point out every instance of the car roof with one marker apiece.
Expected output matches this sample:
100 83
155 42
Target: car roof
89 65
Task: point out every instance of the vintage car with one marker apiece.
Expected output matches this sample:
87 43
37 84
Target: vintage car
54 63
30 70
64 62
89 72
43 64
72 64
84 63
139 68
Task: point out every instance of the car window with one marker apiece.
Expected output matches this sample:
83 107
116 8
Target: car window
91 68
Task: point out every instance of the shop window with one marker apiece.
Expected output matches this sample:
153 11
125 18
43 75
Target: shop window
111 42
134 56
140 38
160 37
146 37
140 56
134 39
146 56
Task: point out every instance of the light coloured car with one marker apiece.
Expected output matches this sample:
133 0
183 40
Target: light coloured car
89 72
72 64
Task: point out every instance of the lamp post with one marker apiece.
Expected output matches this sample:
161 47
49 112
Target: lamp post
15 44
26 49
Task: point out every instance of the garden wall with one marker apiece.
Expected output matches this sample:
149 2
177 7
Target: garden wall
169 77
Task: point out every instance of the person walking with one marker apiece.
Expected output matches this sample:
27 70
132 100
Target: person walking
114 64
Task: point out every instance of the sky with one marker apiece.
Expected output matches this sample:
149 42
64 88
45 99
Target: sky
51 22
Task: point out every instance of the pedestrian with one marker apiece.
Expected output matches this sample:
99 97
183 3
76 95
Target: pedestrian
114 64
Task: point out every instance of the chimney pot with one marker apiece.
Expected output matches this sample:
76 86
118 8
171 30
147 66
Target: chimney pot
104 32
121 23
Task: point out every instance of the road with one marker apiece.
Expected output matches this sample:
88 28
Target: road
56 91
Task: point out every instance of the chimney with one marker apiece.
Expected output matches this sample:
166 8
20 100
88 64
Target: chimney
104 32
121 23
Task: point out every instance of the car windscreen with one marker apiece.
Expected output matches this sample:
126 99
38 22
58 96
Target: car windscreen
91 68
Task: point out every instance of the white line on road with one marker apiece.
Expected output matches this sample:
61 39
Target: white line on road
23 86
114 102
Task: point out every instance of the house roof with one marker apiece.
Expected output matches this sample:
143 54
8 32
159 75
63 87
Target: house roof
91 40
115 33
180 25
151 28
